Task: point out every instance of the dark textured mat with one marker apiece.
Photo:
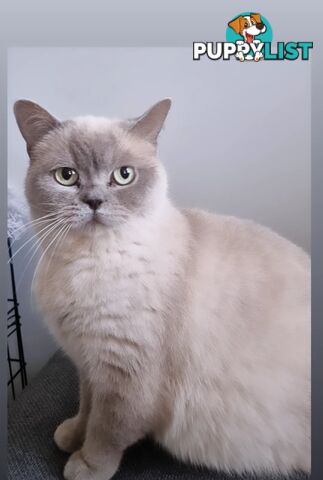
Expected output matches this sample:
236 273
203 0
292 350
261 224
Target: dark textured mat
51 398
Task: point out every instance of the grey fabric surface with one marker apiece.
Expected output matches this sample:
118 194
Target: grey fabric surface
52 397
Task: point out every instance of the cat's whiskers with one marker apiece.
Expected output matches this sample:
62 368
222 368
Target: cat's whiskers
43 219
34 222
43 254
63 231
37 245
30 239
49 223
55 204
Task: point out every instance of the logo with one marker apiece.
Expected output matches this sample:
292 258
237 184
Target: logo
249 38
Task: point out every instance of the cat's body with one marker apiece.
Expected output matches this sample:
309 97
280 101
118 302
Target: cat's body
188 326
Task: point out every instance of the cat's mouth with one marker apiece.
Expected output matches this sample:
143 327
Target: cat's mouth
100 219
96 219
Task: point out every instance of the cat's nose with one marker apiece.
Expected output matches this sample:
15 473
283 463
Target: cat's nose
93 203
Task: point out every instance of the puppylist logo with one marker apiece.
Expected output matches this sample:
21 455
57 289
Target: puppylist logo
249 38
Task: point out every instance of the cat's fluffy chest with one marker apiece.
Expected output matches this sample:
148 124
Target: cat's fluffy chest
115 277
108 291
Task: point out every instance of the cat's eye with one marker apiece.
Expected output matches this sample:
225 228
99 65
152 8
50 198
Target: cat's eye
123 175
66 176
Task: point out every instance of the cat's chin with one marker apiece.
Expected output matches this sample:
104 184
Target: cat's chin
96 222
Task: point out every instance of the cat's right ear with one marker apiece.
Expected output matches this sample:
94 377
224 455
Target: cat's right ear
149 125
33 121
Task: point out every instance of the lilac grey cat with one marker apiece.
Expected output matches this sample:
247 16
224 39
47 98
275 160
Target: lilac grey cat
188 326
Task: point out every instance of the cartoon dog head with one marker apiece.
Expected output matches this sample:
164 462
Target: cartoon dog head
248 26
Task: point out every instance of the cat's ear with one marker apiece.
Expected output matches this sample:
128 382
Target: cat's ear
149 125
33 121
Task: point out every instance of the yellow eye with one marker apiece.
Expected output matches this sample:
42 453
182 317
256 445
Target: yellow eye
123 175
66 176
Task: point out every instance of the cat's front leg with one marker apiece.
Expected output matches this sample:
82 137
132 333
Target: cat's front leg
113 425
69 435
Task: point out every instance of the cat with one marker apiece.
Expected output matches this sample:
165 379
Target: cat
185 325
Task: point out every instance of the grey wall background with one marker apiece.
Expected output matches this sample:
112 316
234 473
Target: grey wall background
237 140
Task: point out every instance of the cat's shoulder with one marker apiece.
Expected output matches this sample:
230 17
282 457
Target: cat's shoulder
243 234
203 219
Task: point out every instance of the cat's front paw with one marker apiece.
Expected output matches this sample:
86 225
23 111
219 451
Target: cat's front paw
79 468
69 435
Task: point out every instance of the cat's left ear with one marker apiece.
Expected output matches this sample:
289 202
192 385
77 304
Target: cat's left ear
149 125
33 121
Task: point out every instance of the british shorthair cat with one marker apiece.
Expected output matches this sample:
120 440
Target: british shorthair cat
185 325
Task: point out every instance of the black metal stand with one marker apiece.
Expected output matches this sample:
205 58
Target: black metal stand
14 327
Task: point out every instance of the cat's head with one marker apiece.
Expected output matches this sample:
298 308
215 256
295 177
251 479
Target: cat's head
92 171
